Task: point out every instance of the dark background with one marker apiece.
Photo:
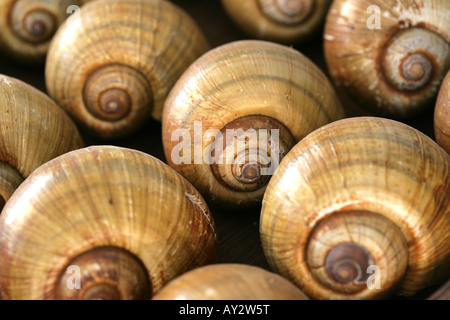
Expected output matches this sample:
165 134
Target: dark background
238 232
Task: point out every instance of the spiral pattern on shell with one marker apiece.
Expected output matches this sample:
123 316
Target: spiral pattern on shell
283 21
27 26
113 73
358 193
237 111
102 206
33 130
390 56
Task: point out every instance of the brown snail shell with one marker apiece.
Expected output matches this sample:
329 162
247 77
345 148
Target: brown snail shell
230 281
113 72
283 21
392 69
442 115
270 95
33 130
125 219
356 195
27 26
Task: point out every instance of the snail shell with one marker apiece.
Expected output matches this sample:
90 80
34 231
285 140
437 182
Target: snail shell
236 111
33 130
230 281
27 26
442 115
123 218
359 209
283 21
113 71
393 69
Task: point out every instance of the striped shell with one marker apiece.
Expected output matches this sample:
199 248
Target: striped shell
388 56
112 66
230 281
359 209
27 26
245 85
283 21
123 218
33 130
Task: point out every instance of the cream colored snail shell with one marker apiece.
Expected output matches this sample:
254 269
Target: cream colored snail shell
33 130
112 65
230 281
124 219
388 56
283 21
442 115
27 26
268 94
359 209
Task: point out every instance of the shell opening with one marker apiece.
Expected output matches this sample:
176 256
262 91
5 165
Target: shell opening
114 91
247 151
287 12
105 273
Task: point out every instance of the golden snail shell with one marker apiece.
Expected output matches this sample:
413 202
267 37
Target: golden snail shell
236 111
230 281
112 71
392 68
33 130
442 115
284 21
27 26
359 209
122 218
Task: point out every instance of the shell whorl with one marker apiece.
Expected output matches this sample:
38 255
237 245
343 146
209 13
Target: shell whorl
246 157
109 273
267 93
114 73
107 199
33 130
344 247
393 69
117 92
38 26
27 26
283 21
287 11
372 183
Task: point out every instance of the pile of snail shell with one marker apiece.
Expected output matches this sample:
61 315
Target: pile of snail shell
350 206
